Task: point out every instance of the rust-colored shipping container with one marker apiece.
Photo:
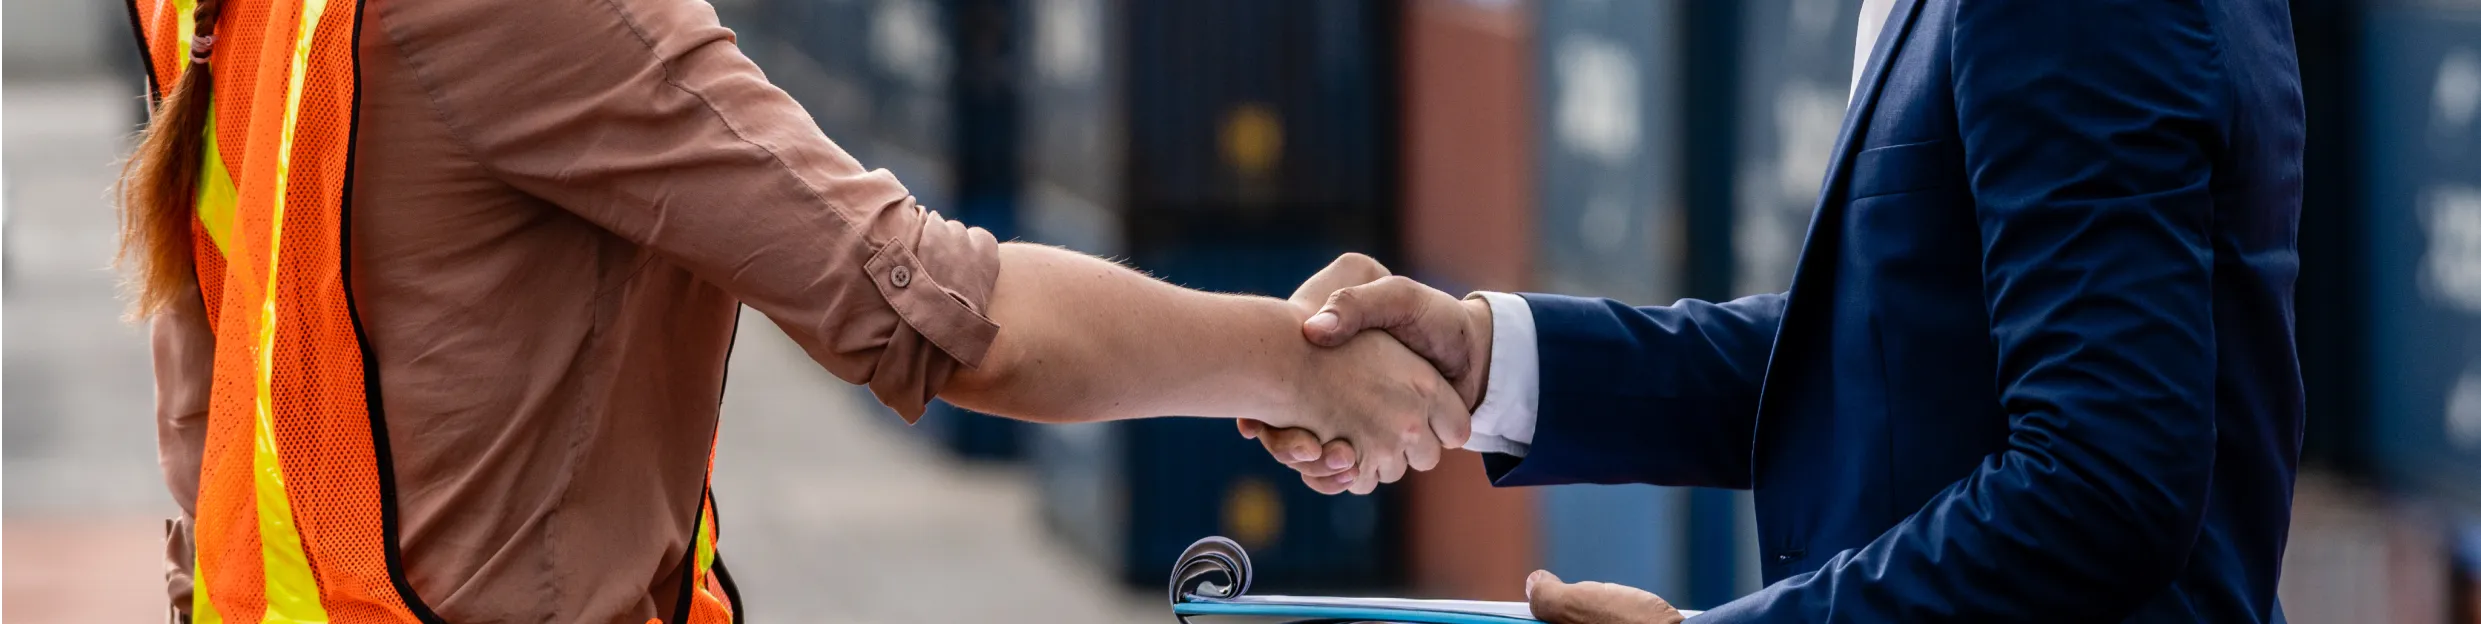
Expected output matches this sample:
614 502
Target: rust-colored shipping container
1468 224
1468 149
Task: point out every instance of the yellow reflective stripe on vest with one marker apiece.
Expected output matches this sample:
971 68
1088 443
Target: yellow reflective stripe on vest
188 27
292 591
706 544
216 195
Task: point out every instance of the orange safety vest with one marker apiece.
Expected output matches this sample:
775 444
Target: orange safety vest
296 516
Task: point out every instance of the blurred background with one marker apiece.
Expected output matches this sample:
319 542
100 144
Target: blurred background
1644 150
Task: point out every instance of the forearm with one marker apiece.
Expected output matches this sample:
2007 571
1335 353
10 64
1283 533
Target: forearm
1663 395
1082 339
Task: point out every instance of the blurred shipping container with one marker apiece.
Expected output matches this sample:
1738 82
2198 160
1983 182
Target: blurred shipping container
817 51
1072 141
1468 143
925 89
1271 113
1608 106
975 142
1132 495
1227 145
1795 79
1468 224
1611 223
2422 120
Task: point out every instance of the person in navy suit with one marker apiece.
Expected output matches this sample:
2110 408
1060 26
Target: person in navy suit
2036 362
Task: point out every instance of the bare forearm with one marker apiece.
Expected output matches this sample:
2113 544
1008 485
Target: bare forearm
1082 339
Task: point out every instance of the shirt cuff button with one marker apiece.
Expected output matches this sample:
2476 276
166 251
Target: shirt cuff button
901 276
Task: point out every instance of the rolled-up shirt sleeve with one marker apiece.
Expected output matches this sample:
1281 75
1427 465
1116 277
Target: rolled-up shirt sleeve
643 117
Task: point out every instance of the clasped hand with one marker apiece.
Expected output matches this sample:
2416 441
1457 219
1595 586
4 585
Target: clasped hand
1453 335
1449 344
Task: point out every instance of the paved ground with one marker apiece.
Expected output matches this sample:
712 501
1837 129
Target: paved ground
830 514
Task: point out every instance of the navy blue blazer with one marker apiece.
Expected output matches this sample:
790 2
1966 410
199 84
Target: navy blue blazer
2036 362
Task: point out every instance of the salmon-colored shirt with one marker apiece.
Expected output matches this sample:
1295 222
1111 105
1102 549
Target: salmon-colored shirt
557 208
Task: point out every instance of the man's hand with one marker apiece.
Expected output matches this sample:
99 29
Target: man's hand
1594 603
1335 465
1387 401
1453 334
1354 293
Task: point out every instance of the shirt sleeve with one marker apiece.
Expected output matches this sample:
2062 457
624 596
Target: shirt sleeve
644 118
184 357
1503 423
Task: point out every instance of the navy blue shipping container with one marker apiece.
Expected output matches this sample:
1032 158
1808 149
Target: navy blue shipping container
1133 494
1795 67
817 51
1607 117
1072 141
1610 216
2421 119
1207 109
1258 103
912 56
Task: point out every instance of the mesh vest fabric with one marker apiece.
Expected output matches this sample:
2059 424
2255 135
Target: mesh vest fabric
295 443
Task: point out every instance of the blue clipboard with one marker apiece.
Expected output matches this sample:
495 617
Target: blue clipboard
1338 613
1211 582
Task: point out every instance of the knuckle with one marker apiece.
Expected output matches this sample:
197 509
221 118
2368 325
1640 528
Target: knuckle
1345 297
1425 386
1360 264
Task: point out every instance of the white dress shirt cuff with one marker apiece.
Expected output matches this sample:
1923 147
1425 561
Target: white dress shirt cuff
1503 423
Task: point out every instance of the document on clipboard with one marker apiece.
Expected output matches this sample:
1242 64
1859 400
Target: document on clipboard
1210 585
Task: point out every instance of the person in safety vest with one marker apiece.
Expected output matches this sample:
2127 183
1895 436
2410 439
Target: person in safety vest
441 293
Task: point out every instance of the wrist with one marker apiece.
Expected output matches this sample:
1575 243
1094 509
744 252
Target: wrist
1271 384
1478 336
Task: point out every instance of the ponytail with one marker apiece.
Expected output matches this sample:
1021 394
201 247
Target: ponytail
159 183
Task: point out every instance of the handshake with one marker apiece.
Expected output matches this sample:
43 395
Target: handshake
1403 369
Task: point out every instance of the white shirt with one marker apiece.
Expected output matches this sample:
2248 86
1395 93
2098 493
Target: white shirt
1512 398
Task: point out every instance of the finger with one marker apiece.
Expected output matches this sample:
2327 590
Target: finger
1338 457
1331 484
1365 480
1448 418
1299 450
1421 449
1249 429
1384 304
1552 601
1290 445
1392 470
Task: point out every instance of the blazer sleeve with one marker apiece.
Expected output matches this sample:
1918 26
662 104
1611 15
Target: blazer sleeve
2089 129
1664 395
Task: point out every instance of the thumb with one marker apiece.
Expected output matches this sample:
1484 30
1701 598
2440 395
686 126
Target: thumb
1388 302
1594 603
1551 600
